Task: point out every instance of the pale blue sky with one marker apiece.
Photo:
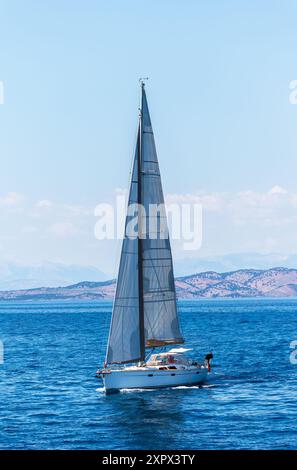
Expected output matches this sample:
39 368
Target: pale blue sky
218 93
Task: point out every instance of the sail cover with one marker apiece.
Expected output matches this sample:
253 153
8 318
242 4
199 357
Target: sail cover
124 337
144 308
159 297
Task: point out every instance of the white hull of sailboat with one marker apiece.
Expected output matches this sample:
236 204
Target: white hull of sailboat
140 378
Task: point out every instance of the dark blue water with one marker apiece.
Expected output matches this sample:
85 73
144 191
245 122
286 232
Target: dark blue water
48 397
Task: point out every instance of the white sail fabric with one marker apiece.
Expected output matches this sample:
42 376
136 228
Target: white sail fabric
124 337
160 312
144 311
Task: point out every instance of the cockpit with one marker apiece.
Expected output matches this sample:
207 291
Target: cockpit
172 357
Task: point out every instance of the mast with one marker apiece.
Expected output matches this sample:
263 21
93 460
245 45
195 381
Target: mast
140 256
144 311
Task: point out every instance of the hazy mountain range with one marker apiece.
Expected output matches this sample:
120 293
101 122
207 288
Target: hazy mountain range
14 276
233 262
275 282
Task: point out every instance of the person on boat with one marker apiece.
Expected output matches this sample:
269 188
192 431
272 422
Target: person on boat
208 359
170 359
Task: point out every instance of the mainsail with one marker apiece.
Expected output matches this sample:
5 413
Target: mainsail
144 311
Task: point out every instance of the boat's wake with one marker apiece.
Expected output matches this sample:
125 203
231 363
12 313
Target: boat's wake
190 387
138 390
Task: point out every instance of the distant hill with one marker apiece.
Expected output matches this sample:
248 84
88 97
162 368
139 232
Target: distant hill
275 282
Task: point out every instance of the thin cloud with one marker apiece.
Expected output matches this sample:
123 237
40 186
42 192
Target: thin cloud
44 203
11 199
64 229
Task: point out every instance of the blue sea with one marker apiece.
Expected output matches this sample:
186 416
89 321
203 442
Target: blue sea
51 399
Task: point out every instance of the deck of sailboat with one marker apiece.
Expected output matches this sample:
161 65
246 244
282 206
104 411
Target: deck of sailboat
146 368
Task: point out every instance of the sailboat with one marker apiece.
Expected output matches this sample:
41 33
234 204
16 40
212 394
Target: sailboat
144 321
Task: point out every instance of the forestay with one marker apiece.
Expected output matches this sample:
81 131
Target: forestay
152 305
